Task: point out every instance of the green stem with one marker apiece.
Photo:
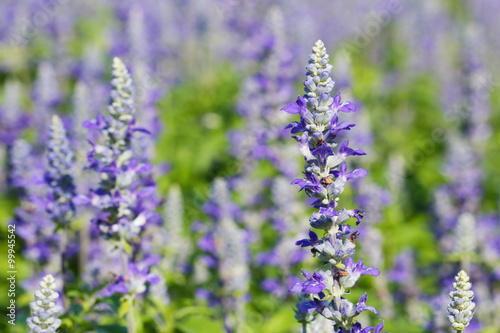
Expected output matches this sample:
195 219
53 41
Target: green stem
465 262
304 328
84 237
124 262
130 316
64 265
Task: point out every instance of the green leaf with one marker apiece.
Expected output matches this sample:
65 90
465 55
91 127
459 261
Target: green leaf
123 310
192 310
111 329
138 321
127 247
196 324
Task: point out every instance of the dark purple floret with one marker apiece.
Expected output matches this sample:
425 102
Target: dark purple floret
313 285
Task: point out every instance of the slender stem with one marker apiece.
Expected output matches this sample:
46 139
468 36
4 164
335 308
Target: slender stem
124 262
130 316
226 316
84 236
64 264
465 261
304 328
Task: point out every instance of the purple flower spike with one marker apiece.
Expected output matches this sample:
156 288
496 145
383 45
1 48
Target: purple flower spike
326 175
59 175
126 192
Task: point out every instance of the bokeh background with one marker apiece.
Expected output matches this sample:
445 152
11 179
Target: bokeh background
211 76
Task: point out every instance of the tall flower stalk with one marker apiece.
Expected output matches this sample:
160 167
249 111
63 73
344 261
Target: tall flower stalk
227 255
81 113
32 220
126 192
261 142
178 248
325 179
12 122
60 187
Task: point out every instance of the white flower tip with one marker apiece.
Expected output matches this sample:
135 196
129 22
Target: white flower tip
462 276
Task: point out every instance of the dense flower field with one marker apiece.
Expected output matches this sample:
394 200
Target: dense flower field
249 166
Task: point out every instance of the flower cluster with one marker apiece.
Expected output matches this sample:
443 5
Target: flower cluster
44 310
325 178
126 193
126 196
461 308
35 226
59 175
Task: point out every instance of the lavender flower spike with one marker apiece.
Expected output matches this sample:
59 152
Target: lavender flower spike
326 174
21 168
126 194
461 308
59 175
44 310
325 179
121 197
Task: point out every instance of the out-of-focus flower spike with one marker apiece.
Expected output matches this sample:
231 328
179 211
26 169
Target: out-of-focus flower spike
12 119
179 248
81 110
81 113
20 175
146 83
465 239
59 175
477 86
137 33
226 250
46 95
